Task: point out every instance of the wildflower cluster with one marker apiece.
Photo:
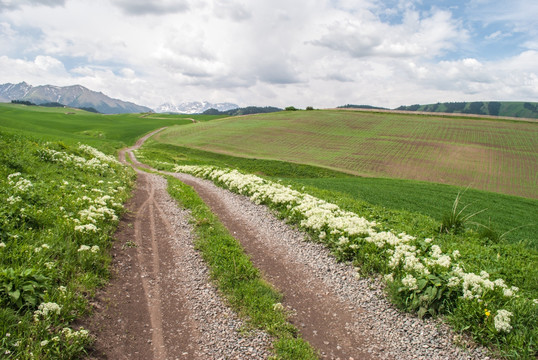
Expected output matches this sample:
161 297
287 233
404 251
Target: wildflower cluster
20 185
45 309
98 161
417 268
61 203
100 209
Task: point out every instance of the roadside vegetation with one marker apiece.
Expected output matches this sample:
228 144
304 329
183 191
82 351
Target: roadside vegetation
63 199
482 275
60 209
61 202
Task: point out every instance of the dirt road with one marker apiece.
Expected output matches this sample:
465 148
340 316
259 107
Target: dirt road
161 304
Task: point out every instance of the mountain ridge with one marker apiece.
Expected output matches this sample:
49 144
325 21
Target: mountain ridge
76 96
194 107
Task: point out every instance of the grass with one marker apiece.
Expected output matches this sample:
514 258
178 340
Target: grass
238 279
513 259
449 256
48 265
504 213
108 132
411 206
274 168
26 281
485 154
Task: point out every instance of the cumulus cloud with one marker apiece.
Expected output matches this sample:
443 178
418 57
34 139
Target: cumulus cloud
16 4
43 69
415 36
154 7
231 10
321 53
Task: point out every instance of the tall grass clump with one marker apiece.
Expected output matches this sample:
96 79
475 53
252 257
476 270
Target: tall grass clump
60 206
454 221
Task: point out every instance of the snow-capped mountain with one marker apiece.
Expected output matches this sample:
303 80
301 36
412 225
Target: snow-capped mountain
194 107
74 96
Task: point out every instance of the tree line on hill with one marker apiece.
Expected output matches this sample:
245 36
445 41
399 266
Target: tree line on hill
249 110
52 104
494 108
368 107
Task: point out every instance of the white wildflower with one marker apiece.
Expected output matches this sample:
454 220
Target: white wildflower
502 321
453 281
47 308
83 248
13 199
86 228
410 282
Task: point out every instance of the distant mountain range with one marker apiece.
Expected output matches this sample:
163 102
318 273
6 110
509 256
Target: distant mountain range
73 96
194 107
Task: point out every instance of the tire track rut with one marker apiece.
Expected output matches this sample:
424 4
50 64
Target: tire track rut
160 303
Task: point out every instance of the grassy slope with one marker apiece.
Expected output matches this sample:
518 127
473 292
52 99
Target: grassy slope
489 155
504 213
512 215
74 125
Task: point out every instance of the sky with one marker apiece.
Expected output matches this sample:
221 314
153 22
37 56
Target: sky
320 53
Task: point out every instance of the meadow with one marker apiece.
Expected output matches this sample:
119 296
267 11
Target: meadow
107 132
498 243
485 154
57 189
62 200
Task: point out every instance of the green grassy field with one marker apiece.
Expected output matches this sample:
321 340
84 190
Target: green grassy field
485 154
73 125
311 139
510 215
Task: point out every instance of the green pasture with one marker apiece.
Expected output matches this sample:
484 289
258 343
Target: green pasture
492 155
512 218
75 125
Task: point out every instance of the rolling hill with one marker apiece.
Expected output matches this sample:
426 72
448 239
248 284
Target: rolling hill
486 154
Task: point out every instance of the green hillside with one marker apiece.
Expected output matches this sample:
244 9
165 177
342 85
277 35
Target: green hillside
493 108
74 125
491 155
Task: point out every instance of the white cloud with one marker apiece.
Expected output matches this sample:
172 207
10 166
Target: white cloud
7 5
231 10
43 69
367 36
321 53
154 7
